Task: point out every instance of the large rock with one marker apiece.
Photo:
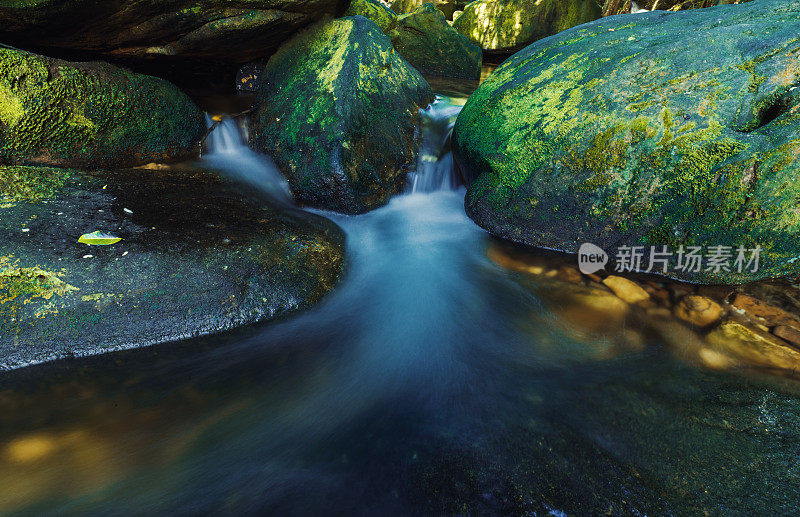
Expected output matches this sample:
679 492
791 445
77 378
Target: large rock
54 112
338 112
375 10
507 25
433 46
196 257
690 136
235 32
425 39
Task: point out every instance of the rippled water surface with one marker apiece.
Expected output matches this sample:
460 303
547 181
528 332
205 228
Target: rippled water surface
430 381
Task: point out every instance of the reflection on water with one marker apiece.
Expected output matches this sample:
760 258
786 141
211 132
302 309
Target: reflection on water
430 381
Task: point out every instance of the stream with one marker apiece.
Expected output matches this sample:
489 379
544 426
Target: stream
429 381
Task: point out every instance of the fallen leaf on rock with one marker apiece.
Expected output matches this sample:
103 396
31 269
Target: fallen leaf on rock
99 239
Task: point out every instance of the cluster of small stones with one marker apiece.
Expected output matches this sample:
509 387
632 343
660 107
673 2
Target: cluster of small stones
754 327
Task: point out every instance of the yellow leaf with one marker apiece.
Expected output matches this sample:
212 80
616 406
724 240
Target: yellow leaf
99 239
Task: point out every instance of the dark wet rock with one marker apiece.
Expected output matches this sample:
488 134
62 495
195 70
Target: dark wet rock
196 257
235 32
433 46
506 25
55 112
671 142
339 110
248 77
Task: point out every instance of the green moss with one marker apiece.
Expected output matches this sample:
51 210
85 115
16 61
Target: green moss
90 114
31 183
29 283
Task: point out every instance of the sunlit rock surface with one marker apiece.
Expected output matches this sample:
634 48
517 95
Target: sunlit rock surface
196 257
375 10
54 112
338 112
504 25
634 130
433 47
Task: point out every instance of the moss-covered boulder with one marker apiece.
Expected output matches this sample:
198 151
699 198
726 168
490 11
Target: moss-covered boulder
655 129
375 10
54 112
433 46
507 25
338 112
196 257
220 30
425 39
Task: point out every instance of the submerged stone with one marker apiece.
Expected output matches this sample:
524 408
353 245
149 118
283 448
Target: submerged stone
433 46
338 112
92 115
196 258
637 131
504 25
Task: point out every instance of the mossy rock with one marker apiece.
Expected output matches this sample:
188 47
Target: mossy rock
204 30
434 47
447 7
92 115
196 257
507 25
338 112
656 129
374 10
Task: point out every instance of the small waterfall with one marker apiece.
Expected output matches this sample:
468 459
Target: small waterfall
228 153
435 163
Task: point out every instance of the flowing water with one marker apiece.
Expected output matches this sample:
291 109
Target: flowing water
430 381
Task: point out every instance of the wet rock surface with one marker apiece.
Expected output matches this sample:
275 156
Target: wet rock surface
196 257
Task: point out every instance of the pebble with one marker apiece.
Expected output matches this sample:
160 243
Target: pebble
787 333
626 289
699 311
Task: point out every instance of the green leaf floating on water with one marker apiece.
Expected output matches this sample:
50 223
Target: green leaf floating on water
99 239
